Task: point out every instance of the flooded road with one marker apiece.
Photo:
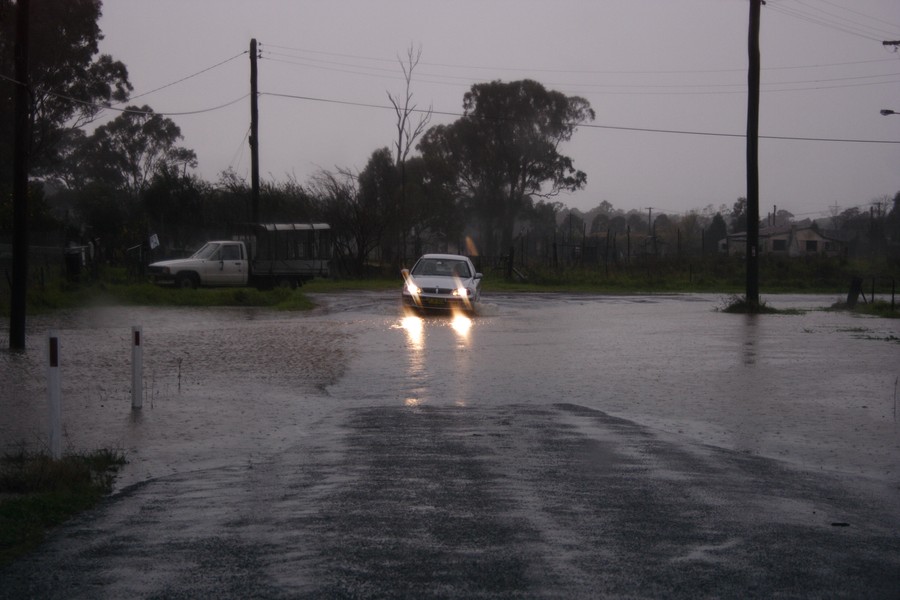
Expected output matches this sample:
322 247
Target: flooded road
817 389
509 443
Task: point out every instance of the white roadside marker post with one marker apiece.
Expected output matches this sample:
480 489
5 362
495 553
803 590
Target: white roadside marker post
137 368
53 397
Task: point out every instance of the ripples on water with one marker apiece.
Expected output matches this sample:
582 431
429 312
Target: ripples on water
816 388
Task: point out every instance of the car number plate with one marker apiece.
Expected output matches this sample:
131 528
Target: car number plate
435 301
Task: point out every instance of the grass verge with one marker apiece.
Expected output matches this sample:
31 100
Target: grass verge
38 493
879 308
723 275
60 295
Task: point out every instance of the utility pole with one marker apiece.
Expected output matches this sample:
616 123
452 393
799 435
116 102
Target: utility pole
21 143
254 136
753 159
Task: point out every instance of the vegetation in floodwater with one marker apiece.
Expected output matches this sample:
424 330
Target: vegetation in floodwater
38 493
879 308
739 305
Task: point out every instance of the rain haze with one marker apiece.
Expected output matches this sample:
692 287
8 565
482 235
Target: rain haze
668 82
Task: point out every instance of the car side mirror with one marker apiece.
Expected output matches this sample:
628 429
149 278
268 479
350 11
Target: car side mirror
405 273
478 275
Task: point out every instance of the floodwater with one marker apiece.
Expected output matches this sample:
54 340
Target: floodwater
233 386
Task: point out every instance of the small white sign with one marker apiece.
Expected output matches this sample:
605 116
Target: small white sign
154 242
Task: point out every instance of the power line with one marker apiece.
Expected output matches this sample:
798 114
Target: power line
638 89
239 153
850 10
588 125
150 112
114 106
451 114
191 76
828 20
852 23
497 68
743 84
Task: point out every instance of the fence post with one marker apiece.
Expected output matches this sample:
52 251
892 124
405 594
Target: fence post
53 396
628 245
137 367
855 290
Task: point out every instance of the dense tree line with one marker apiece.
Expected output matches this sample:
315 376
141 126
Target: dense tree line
869 233
478 184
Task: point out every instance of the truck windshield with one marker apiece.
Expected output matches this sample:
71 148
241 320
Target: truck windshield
207 251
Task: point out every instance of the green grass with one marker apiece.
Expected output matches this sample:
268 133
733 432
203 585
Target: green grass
342 285
879 308
38 493
148 294
60 295
719 275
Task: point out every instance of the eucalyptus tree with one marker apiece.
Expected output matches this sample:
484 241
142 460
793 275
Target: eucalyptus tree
504 151
130 150
716 232
67 85
70 82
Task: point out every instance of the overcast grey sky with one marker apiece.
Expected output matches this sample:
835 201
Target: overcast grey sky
648 67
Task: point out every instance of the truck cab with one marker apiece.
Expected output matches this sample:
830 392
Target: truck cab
263 255
216 263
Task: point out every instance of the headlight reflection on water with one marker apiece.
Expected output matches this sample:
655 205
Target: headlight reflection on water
414 327
415 330
418 378
461 324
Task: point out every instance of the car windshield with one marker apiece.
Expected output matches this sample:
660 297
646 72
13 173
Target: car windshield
207 251
441 267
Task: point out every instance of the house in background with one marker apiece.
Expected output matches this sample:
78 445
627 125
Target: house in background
792 240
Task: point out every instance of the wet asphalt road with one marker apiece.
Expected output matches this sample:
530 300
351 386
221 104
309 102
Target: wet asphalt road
561 448
454 502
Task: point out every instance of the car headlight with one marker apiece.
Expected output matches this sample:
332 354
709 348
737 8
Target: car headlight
412 288
461 292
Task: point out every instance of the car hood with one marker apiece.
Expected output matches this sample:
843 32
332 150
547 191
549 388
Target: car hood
427 282
177 262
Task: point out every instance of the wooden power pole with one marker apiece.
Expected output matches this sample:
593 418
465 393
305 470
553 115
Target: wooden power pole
254 136
753 159
21 143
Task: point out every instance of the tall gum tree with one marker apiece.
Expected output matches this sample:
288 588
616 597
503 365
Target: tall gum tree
66 88
70 83
130 150
504 151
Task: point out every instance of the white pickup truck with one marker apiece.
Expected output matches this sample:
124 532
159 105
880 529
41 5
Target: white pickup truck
263 255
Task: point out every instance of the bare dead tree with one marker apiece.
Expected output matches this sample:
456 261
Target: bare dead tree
409 128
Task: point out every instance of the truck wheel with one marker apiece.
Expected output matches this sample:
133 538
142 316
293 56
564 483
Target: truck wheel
287 282
186 281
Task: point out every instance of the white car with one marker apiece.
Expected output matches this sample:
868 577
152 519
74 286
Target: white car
442 282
